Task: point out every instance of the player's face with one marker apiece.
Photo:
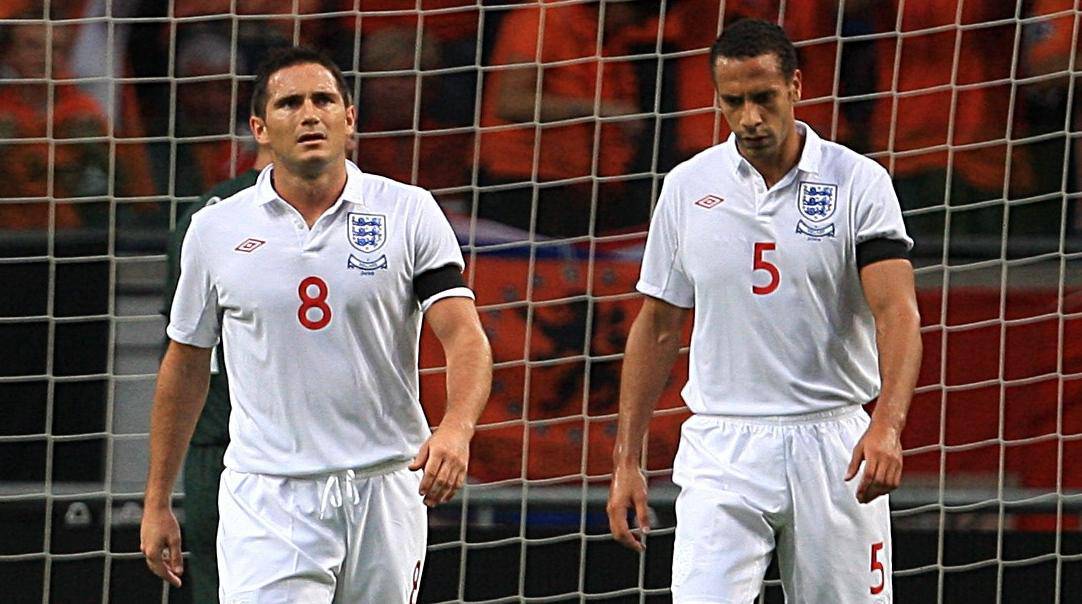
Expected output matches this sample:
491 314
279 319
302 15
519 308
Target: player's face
757 101
307 123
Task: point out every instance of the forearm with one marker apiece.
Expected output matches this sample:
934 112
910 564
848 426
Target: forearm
518 101
648 360
519 106
900 350
178 400
469 378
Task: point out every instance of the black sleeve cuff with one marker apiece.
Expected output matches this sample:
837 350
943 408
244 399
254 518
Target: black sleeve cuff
432 282
874 250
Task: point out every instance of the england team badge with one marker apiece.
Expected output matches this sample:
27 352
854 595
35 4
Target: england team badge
367 267
366 232
816 202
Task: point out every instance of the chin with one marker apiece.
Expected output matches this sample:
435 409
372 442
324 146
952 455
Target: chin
759 151
314 156
307 165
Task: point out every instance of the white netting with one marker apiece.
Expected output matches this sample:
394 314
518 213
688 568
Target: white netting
545 138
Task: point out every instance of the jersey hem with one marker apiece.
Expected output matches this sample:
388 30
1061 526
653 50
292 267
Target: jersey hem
376 469
657 292
809 417
454 292
183 338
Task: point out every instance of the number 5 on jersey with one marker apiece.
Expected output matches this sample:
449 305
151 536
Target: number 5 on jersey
314 313
761 264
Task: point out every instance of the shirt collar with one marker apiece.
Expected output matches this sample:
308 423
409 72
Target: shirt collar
265 192
813 149
809 157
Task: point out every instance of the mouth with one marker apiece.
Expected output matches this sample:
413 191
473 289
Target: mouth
311 137
754 141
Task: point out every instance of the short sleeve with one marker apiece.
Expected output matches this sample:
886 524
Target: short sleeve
172 257
663 273
878 213
193 318
435 246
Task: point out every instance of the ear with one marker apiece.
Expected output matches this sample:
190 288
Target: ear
259 130
351 119
796 84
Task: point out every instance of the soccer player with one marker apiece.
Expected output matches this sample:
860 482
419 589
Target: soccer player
316 279
204 463
791 252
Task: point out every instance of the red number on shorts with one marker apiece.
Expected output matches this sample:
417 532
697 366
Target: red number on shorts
762 265
318 302
416 581
878 566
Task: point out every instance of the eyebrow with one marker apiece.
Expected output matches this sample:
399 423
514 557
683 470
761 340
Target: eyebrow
319 94
285 100
758 94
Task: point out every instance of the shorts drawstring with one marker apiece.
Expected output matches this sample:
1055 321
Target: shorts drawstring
332 492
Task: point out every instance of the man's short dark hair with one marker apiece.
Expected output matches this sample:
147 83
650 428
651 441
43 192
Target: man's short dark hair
279 59
749 38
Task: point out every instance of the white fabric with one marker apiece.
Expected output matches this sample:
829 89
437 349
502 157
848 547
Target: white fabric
750 485
279 542
332 492
310 400
454 292
810 344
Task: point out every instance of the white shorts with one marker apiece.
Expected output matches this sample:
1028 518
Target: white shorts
339 537
750 485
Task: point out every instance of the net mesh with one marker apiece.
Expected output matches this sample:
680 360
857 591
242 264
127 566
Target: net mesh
545 135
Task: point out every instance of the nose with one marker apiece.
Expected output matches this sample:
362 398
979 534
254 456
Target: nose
309 115
751 117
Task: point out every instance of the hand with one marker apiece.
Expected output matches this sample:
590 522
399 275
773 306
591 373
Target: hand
628 489
159 540
881 450
444 457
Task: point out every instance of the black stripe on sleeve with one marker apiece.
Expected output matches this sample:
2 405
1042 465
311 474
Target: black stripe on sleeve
432 282
874 250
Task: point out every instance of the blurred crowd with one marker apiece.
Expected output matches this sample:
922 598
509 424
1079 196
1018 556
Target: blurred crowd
109 121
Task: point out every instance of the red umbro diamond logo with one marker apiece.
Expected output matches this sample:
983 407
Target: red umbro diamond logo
249 245
709 201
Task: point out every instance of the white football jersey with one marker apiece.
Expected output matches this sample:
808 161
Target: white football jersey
781 324
320 326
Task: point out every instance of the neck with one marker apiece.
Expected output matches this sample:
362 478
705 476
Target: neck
775 168
311 194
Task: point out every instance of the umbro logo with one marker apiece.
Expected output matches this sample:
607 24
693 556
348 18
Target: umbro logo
709 201
249 245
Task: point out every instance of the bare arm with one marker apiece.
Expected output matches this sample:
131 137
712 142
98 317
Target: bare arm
517 92
445 456
889 289
178 400
652 346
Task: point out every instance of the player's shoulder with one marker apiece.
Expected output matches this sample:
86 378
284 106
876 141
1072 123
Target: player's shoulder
225 190
843 161
229 188
703 162
222 204
389 194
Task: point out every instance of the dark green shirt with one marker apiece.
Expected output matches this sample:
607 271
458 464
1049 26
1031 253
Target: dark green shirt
213 426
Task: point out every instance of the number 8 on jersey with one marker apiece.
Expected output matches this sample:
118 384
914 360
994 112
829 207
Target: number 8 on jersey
313 304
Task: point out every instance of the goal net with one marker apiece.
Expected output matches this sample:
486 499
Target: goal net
544 130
